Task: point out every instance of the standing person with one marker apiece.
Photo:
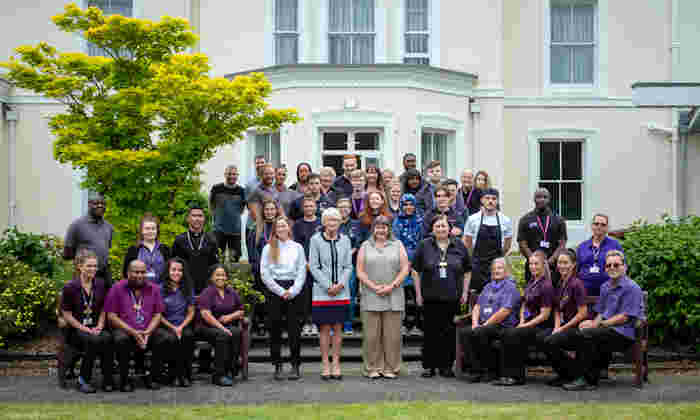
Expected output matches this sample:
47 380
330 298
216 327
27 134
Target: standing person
426 197
92 232
619 307
541 229
389 179
382 265
409 163
591 255
254 181
394 199
302 231
134 309
471 196
313 190
488 234
221 311
283 270
197 248
374 179
535 323
570 310
82 308
327 177
352 229
303 172
358 196
342 184
375 206
456 202
495 310
285 195
148 249
176 323
442 207
227 202
265 189
412 184
444 269
330 261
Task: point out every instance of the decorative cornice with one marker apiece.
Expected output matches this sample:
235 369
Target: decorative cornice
566 102
496 93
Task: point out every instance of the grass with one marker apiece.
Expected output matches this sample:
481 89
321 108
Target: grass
383 411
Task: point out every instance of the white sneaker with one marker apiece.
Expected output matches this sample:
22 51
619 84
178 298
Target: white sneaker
348 332
314 330
306 330
415 331
404 330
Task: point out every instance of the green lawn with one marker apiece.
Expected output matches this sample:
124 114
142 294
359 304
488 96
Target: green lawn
383 411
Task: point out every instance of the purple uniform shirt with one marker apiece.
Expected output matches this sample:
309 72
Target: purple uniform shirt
625 298
569 298
176 304
212 301
591 263
136 312
75 300
538 294
497 295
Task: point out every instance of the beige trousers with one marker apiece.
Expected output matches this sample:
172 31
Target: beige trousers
381 344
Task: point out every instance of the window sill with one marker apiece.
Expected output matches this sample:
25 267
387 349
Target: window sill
571 90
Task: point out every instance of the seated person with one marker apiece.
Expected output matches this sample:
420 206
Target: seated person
83 298
613 329
495 310
220 311
134 309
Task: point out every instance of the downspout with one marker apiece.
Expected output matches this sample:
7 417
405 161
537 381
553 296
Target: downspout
11 116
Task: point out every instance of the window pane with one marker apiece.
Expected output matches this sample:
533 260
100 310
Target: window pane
572 156
340 19
416 44
416 60
549 160
440 147
561 20
335 141
426 151
553 189
571 201
363 49
340 49
560 64
416 15
286 15
261 142
286 49
583 64
363 19
275 154
114 7
366 141
583 26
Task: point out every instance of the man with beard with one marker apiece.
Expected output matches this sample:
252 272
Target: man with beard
285 195
541 229
342 185
94 233
303 172
134 310
409 163
471 196
266 188
256 179
227 201
426 197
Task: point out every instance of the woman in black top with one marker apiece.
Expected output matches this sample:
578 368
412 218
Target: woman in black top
148 249
443 265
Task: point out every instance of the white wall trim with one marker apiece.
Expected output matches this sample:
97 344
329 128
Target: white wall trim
380 19
324 10
434 33
456 146
566 102
269 32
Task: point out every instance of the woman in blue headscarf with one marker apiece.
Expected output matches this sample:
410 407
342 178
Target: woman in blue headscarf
408 228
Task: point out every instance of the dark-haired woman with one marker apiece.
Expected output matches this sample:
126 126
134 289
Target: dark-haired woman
148 249
374 180
413 182
176 323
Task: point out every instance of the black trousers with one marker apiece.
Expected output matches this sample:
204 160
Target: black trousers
93 346
514 349
125 345
478 352
594 349
439 334
556 345
227 348
179 351
231 241
293 310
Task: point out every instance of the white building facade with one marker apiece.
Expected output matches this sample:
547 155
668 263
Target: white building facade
535 92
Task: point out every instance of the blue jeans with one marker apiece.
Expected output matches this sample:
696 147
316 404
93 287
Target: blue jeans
353 298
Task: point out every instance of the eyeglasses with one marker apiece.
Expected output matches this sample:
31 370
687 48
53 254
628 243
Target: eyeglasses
600 224
613 265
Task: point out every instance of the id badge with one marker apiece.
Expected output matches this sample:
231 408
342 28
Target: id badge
87 321
595 269
150 275
488 310
443 272
544 244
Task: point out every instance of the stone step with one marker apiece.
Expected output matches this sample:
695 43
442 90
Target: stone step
354 340
312 354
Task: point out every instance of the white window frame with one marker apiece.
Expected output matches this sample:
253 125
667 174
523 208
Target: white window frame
399 36
135 12
351 132
406 32
376 35
276 33
562 181
600 53
253 137
456 142
449 146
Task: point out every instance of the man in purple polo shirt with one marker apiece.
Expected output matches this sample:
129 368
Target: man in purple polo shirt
590 255
619 307
134 308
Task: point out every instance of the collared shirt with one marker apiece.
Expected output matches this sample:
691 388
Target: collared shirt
200 252
425 198
252 184
529 230
471 199
539 294
211 300
497 295
303 230
624 298
122 301
228 203
342 185
76 301
296 210
287 198
569 298
91 233
427 263
176 304
455 220
471 228
154 260
291 266
591 263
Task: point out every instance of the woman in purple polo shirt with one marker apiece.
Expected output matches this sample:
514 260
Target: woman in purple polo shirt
569 311
83 299
535 320
221 311
148 249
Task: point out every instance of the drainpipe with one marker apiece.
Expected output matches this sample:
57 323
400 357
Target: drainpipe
11 116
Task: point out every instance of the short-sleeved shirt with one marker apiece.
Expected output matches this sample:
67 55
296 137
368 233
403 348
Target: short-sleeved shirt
302 231
539 294
623 298
76 301
427 263
471 228
91 233
453 218
472 199
122 301
211 300
176 304
286 198
296 210
569 298
258 195
591 263
342 186
529 230
252 184
228 203
496 296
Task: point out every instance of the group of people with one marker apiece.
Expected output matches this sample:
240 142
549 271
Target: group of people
327 242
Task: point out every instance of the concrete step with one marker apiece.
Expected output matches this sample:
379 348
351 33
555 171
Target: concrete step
354 340
312 354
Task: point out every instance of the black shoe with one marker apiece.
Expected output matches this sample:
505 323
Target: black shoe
222 381
558 381
107 387
86 388
447 373
149 383
326 377
295 373
183 382
474 377
489 377
428 373
337 377
278 372
579 384
505 381
126 386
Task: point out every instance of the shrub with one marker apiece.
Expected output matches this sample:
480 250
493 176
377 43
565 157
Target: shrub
42 253
242 281
664 259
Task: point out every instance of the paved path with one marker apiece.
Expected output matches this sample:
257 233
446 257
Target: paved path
261 388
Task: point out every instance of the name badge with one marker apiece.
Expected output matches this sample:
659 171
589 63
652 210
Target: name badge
151 275
488 310
443 272
544 244
87 321
594 269
526 314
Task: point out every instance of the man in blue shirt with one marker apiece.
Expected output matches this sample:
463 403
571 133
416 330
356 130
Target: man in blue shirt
590 255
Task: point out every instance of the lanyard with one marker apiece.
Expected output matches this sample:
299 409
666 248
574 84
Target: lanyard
266 233
545 228
201 242
596 254
354 207
138 306
87 301
469 197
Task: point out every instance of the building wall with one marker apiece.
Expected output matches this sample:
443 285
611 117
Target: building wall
692 179
4 199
